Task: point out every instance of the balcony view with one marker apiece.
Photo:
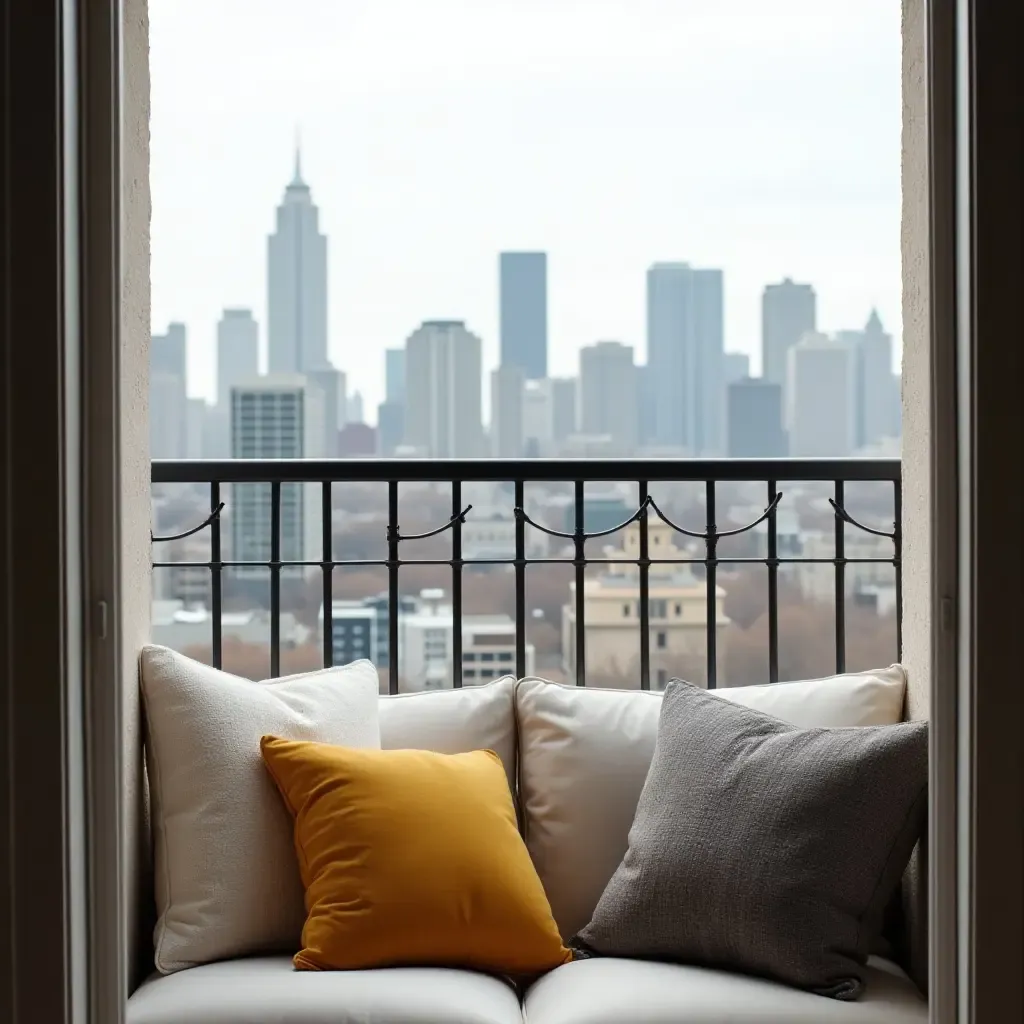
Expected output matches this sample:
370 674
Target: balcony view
729 308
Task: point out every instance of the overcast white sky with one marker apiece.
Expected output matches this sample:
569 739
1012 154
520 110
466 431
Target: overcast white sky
760 136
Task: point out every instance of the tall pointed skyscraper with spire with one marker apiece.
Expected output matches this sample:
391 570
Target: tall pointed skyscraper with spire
297 283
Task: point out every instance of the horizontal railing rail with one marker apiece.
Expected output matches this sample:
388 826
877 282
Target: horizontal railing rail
641 472
228 471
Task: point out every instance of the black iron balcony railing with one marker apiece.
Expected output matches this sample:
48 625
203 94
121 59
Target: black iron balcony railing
330 474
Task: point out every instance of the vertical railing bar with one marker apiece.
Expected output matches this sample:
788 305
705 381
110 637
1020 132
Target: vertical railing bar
275 579
520 570
216 580
327 574
773 586
392 586
711 582
457 585
579 560
840 579
897 561
645 590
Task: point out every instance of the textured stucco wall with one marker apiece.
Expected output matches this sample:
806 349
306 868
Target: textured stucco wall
916 440
916 365
135 500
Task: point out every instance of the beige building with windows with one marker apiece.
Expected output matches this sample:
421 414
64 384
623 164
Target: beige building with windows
677 611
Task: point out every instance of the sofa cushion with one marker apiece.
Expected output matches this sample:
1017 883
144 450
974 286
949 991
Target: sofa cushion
268 990
611 991
412 857
584 755
226 879
454 721
764 847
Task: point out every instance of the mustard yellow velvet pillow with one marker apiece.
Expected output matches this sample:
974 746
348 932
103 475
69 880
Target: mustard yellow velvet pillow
411 857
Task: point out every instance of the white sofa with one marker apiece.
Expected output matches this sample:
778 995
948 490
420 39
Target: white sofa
578 759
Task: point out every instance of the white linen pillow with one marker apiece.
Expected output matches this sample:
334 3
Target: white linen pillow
454 721
584 755
226 877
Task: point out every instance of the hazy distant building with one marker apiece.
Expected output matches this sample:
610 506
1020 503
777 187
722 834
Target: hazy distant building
390 426
167 351
297 284
507 397
608 394
333 386
391 412
356 440
238 352
549 414
524 312
754 419
685 347
538 418
820 398
443 414
788 312
197 417
564 416
735 366
877 389
646 424
276 417
168 411
394 375
354 412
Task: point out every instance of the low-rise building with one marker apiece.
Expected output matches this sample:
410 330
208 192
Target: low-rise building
426 650
677 615
491 533
817 580
359 628
180 626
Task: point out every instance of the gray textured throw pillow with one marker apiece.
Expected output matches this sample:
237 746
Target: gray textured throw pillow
763 847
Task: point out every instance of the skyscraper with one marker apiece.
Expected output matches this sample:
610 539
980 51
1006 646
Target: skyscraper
685 346
276 417
755 419
820 397
168 404
564 418
297 284
877 391
333 387
443 415
735 366
788 312
394 375
238 353
390 426
524 312
608 393
391 412
507 398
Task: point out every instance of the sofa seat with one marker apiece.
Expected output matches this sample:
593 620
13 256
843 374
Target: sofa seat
268 990
612 991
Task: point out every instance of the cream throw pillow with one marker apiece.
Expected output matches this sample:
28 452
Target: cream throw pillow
584 755
226 878
454 721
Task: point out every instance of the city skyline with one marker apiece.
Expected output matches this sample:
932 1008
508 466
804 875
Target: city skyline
573 162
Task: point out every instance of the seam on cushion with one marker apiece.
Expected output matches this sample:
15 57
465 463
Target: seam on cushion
161 927
911 812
